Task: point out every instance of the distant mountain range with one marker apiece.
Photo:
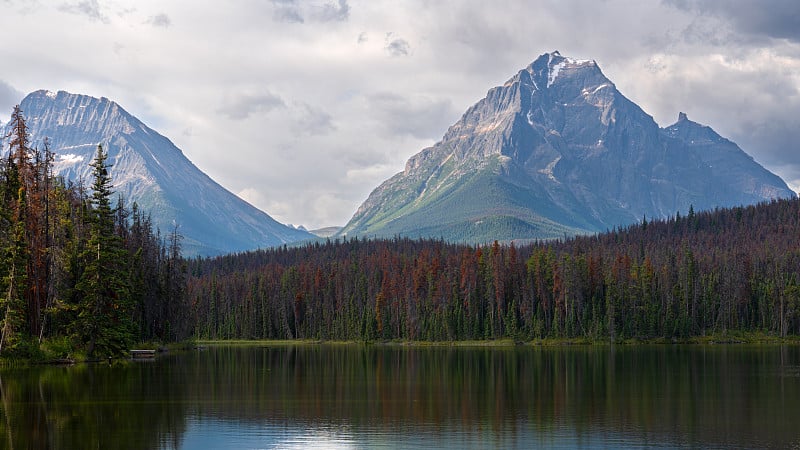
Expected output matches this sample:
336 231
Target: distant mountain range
149 169
559 150
556 150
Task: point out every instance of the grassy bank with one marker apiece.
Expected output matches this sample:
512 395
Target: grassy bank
728 338
59 351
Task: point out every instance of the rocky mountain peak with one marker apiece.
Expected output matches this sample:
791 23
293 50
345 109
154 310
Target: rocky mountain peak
545 70
65 114
558 149
147 168
692 132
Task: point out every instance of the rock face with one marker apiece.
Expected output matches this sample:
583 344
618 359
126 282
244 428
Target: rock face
559 150
150 170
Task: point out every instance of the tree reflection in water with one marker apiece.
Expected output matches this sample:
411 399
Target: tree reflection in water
356 396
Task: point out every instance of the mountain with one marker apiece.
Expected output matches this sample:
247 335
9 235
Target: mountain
326 232
150 170
559 150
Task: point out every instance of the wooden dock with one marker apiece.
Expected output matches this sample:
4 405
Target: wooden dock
142 354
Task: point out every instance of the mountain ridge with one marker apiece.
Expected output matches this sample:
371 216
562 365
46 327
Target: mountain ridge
558 149
147 168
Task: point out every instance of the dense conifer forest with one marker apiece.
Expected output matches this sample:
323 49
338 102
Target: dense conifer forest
79 271
709 272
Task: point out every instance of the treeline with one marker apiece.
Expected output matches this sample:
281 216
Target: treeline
79 272
730 269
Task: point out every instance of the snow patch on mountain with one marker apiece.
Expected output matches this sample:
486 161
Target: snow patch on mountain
70 159
586 92
551 78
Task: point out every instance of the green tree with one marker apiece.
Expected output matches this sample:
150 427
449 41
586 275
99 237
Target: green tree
13 302
14 241
104 322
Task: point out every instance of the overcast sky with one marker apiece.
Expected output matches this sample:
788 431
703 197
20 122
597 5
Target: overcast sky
303 107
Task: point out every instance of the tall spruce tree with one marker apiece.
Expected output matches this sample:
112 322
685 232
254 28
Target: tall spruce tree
13 302
13 237
104 323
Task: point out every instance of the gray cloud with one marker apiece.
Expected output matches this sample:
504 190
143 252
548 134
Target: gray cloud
88 8
293 11
471 31
777 19
160 20
332 12
700 32
242 106
420 117
287 11
24 7
9 97
397 46
312 121
775 143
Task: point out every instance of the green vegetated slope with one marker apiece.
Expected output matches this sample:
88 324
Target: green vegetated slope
476 207
727 271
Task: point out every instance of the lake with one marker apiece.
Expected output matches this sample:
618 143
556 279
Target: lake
387 396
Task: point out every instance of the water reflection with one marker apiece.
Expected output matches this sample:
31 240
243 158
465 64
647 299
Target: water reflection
345 397
220 434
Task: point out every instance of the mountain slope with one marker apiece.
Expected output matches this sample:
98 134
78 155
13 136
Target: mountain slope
558 149
150 170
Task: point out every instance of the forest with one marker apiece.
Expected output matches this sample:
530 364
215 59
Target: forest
702 273
80 273
83 274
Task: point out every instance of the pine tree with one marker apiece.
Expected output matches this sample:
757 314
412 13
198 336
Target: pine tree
104 322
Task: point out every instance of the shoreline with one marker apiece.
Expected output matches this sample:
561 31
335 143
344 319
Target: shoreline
748 338
730 338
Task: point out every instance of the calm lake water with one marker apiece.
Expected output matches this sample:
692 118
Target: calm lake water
353 396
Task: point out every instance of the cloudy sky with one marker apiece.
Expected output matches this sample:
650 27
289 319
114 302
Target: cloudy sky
303 107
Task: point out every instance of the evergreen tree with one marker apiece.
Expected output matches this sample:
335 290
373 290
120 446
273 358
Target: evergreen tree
104 322
13 305
73 265
13 302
